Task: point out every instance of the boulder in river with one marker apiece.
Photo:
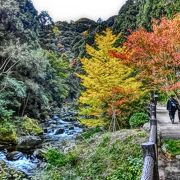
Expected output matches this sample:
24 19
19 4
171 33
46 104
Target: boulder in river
39 153
55 117
28 142
71 128
15 155
59 131
78 124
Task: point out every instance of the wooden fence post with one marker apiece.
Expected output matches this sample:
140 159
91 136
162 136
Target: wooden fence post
149 159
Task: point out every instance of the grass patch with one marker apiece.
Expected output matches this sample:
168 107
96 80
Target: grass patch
173 146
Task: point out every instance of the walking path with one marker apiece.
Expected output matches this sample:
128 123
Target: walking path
165 127
169 169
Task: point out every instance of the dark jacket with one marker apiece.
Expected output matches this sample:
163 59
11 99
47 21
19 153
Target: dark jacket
172 104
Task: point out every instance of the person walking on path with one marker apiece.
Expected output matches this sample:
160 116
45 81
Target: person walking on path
172 106
179 112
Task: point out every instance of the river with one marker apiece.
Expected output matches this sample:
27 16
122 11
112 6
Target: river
55 131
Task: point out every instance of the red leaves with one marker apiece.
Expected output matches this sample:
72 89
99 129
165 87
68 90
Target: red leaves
173 87
120 98
122 56
155 54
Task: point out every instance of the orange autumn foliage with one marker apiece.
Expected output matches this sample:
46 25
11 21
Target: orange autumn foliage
155 55
121 99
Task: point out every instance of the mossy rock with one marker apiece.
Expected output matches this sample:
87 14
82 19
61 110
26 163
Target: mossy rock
7 133
31 126
10 173
11 138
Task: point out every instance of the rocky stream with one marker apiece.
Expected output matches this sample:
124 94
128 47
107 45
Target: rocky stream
26 157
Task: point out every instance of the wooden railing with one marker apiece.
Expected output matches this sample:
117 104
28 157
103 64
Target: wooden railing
150 148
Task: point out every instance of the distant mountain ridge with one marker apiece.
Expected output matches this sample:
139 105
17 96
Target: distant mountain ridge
133 14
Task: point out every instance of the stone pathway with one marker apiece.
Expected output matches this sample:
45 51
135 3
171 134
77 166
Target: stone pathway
165 127
169 169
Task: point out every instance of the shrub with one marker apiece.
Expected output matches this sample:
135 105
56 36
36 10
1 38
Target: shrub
138 119
131 170
4 112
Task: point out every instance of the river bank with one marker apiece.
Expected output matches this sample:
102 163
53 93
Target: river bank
98 155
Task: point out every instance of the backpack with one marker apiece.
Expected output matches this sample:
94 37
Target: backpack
174 104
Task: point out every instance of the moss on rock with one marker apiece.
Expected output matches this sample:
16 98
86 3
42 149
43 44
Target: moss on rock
31 126
7 133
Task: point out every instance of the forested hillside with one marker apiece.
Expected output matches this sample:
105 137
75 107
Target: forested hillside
106 70
29 78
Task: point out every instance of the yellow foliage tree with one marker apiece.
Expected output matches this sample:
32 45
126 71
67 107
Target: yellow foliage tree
103 73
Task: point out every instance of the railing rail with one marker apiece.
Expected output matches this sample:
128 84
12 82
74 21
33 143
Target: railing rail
150 149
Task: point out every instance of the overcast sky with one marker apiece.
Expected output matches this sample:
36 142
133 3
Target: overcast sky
66 10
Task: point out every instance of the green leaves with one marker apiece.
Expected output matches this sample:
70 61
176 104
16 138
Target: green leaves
11 92
173 146
14 85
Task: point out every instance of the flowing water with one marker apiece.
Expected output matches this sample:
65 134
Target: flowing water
25 163
55 131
